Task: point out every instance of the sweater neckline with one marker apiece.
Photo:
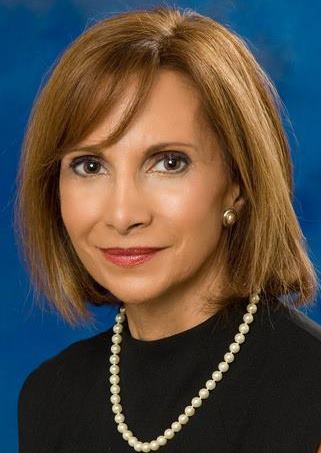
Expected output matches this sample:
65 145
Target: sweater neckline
213 323
179 336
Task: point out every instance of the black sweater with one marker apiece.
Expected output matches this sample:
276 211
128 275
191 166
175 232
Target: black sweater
269 401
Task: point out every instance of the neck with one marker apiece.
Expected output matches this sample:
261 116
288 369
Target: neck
142 323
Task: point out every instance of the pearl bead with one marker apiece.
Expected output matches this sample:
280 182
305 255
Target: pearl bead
114 379
204 393
122 427
120 317
239 338
229 357
244 328
116 408
146 446
114 369
132 441
189 410
255 298
116 338
154 445
118 328
251 308
210 384
138 446
223 366
183 419
234 347
197 401
162 440
115 349
119 418
127 435
114 359
115 399
248 318
115 388
176 426
217 376
169 433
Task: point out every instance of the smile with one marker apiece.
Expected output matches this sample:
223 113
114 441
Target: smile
129 260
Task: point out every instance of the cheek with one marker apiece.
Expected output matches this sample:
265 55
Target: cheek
196 215
197 206
78 209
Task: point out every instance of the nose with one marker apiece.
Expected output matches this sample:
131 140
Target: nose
127 204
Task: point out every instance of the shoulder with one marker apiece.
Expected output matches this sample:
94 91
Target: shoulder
51 393
288 397
285 405
294 347
295 332
71 365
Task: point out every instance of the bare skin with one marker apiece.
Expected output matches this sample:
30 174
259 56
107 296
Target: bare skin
129 199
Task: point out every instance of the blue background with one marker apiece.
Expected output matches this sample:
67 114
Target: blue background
286 39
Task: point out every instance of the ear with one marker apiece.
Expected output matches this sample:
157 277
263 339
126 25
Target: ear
234 197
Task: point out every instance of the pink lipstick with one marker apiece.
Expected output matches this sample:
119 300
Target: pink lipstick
129 257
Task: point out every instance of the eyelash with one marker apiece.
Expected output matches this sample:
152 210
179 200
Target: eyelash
161 156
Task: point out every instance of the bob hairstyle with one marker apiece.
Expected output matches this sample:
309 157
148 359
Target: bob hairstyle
265 247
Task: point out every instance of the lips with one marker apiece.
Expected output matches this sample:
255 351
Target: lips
129 257
134 251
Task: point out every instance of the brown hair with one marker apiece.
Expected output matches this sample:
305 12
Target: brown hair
265 247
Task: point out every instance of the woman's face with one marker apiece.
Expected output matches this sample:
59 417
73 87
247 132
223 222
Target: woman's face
128 198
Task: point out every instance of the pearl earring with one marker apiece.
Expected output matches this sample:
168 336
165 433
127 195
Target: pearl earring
229 217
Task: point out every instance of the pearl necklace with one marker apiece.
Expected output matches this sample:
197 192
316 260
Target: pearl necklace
195 402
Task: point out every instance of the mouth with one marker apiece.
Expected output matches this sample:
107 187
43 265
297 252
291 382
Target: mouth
129 257
131 251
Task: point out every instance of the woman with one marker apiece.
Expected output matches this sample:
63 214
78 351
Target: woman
156 176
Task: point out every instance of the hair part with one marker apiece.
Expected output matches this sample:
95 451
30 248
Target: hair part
265 248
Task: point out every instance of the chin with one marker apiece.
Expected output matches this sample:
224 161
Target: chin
136 294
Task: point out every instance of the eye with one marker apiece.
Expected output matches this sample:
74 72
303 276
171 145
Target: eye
91 165
173 159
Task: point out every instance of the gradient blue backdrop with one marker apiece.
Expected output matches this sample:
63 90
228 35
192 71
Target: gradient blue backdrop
285 37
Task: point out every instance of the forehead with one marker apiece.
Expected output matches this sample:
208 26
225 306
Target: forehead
170 113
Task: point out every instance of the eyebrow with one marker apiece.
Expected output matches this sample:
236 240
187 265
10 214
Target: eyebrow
94 149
